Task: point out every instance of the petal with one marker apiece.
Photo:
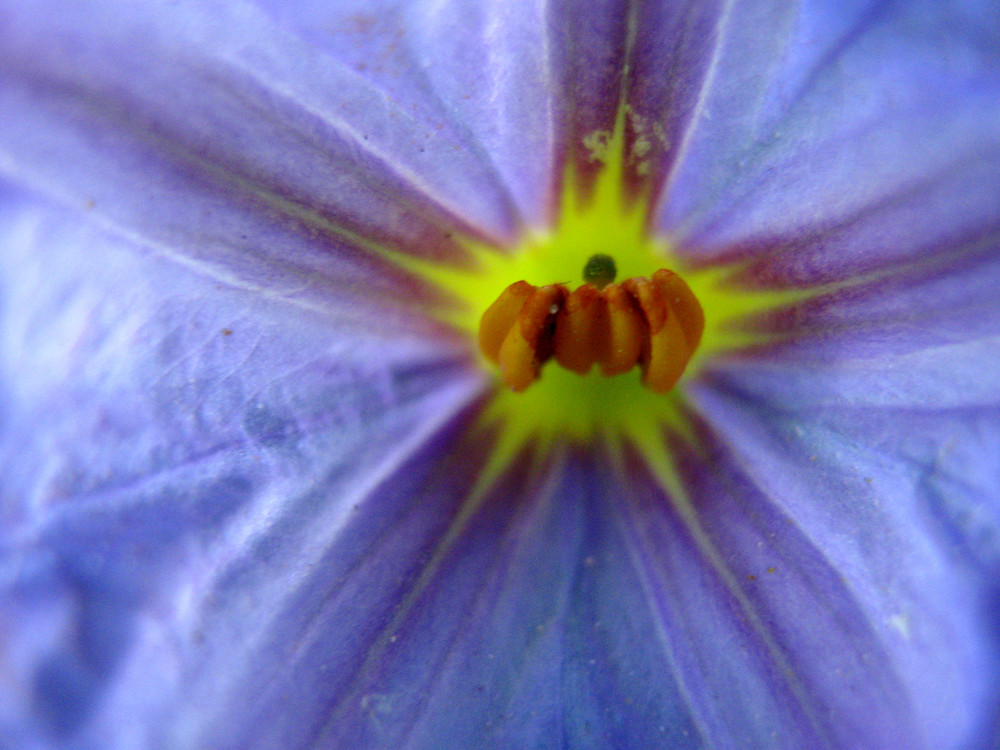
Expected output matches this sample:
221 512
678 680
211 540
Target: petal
257 642
232 143
162 430
514 72
948 452
332 118
864 509
576 605
528 80
505 638
824 140
929 336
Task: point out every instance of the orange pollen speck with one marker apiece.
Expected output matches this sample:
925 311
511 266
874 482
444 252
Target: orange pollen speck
656 323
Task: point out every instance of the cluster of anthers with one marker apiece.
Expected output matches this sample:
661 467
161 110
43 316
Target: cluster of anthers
656 323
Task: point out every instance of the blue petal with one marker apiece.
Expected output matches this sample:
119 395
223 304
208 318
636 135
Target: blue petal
927 336
235 505
824 140
515 76
164 431
527 80
578 606
527 634
332 115
254 147
888 520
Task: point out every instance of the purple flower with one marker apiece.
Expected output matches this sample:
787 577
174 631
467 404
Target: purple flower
249 498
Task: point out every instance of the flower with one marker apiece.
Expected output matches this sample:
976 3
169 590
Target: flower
248 496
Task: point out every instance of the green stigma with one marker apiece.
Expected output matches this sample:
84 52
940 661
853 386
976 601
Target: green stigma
600 270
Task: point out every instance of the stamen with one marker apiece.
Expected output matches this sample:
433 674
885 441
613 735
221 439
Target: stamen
528 344
576 330
623 332
656 324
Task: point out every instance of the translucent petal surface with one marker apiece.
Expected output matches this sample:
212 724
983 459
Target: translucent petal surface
850 490
356 134
821 140
240 503
163 431
526 81
266 125
930 336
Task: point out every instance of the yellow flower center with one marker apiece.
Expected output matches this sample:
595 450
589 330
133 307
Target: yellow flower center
565 406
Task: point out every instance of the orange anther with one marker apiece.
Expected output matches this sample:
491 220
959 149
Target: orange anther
528 344
682 301
656 324
538 312
622 332
667 357
500 316
576 329
650 299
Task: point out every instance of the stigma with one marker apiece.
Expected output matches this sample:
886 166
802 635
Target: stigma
653 323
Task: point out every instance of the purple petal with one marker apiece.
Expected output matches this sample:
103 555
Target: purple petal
330 119
823 142
255 149
527 80
527 635
574 607
929 336
866 517
257 644
161 431
516 75
236 502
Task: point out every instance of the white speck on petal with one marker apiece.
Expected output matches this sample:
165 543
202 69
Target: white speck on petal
901 622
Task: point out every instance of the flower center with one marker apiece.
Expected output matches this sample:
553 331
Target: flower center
656 324
563 404
576 401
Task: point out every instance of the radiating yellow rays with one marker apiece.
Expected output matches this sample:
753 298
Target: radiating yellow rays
563 406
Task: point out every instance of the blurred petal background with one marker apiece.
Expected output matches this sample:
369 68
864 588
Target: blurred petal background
236 450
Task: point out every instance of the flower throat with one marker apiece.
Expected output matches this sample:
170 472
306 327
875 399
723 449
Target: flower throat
554 384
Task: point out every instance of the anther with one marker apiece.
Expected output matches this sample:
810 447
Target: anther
576 337
656 324
528 343
621 332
